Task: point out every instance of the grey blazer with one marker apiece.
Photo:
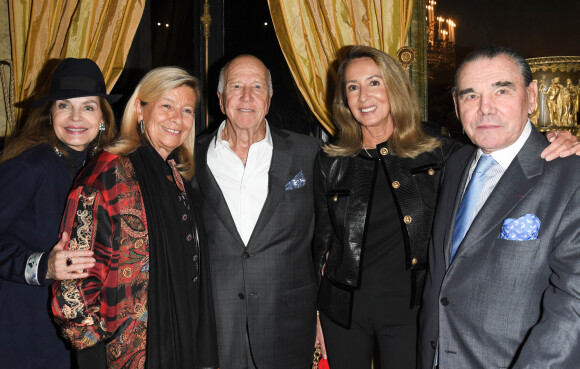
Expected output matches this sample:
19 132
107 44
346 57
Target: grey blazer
268 286
505 303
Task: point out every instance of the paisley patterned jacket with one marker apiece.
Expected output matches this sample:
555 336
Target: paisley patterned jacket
105 213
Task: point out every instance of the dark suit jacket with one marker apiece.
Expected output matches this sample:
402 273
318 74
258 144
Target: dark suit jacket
268 286
505 303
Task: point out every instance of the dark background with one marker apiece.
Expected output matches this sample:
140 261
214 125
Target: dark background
238 27
535 28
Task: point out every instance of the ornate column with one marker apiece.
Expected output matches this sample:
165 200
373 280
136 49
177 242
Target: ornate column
416 58
206 21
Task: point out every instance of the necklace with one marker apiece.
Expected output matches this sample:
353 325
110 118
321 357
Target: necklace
368 153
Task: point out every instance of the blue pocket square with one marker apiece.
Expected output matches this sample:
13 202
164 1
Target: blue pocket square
521 229
296 182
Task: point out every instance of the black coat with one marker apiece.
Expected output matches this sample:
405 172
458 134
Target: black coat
33 190
343 192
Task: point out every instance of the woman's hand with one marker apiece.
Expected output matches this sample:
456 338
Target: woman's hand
68 264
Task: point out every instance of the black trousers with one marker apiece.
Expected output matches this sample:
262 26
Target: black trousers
384 324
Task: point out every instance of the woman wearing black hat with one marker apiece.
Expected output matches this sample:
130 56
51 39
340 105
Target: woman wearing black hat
36 172
146 302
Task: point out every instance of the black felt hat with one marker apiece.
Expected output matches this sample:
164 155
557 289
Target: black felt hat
77 78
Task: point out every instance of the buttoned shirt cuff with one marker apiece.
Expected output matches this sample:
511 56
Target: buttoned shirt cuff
31 270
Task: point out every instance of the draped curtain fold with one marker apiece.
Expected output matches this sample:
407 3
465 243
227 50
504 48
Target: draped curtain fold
311 33
55 29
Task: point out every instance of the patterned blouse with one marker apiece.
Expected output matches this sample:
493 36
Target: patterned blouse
105 213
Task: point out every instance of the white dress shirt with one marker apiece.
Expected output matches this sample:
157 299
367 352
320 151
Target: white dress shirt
504 158
245 187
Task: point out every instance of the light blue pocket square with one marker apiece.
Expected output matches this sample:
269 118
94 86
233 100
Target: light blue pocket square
296 182
521 229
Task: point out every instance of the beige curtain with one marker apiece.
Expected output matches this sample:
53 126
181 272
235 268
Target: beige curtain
54 29
6 93
311 32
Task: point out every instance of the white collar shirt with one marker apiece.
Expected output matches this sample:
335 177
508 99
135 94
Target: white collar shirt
503 158
244 187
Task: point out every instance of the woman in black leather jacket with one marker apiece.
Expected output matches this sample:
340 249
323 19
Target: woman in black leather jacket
376 190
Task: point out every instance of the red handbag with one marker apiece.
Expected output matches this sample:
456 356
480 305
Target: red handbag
323 364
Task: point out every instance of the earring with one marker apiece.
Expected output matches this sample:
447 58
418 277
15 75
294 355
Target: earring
57 152
50 120
97 148
142 126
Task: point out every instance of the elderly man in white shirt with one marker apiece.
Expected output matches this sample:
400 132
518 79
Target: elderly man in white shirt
255 185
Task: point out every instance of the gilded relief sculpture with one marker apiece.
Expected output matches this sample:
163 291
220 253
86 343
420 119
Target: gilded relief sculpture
562 102
554 100
541 101
565 94
558 103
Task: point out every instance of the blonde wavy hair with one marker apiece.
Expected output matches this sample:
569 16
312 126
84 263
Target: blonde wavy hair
408 138
154 85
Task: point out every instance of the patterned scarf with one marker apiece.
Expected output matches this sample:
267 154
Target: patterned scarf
173 294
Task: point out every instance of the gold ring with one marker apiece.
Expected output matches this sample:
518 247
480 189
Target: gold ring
68 262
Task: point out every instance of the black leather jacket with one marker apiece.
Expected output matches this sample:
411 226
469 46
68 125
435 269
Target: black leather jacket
342 193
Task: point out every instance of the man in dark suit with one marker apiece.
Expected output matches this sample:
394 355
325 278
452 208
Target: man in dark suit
256 184
503 289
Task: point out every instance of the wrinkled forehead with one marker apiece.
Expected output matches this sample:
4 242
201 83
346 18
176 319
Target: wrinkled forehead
247 67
